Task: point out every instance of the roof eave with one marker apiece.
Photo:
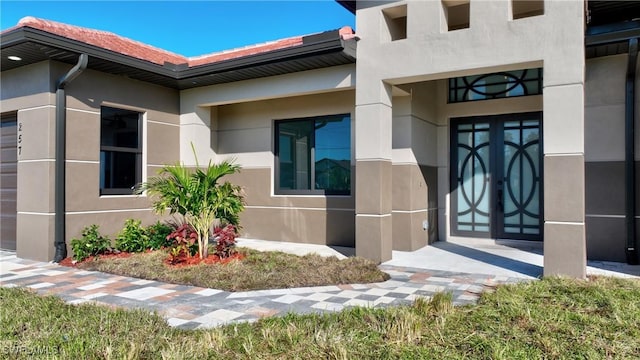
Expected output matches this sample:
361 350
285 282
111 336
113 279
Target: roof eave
300 51
26 34
174 75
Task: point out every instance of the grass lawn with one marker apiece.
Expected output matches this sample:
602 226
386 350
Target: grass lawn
258 270
552 318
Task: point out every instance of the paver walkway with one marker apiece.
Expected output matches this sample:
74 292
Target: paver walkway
192 307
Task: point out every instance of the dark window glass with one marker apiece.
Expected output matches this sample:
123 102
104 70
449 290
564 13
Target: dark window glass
313 155
496 85
118 169
120 151
295 144
119 128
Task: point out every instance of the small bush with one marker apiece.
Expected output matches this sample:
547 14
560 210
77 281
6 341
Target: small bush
158 234
133 237
225 241
91 243
184 243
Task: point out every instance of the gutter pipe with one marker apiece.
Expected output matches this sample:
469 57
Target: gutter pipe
629 159
61 129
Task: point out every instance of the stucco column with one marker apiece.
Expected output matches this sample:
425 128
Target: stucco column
373 172
564 181
35 193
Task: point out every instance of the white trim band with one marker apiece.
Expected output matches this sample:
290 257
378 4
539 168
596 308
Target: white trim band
409 211
37 160
374 215
296 208
103 211
85 111
564 223
36 108
83 161
162 123
34 213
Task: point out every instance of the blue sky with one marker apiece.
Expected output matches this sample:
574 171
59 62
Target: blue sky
188 28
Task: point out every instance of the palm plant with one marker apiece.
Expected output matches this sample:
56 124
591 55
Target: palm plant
197 196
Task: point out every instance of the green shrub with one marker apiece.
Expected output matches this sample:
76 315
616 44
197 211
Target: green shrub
133 237
91 243
184 239
225 241
158 235
198 196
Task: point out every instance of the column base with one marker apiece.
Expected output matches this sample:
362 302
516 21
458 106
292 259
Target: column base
565 251
374 237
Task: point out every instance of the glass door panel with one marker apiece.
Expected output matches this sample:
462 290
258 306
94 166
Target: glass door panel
471 183
496 182
520 185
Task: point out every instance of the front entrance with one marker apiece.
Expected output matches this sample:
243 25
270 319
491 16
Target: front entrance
496 176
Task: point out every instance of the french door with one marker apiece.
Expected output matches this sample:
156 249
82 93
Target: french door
496 176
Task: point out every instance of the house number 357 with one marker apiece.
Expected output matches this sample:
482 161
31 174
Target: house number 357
19 138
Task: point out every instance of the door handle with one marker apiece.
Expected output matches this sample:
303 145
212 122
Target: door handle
500 205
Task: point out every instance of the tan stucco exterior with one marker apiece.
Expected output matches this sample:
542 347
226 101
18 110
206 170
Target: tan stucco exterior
605 155
430 52
238 119
401 127
31 91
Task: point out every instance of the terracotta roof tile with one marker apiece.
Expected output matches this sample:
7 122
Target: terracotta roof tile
245 51
346 33
105 40
136 49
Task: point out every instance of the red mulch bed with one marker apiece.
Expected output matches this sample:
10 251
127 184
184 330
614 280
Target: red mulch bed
184 261
70 262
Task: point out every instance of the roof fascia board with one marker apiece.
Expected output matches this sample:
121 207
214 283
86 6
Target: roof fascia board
333 45
13 37
26 34
177 72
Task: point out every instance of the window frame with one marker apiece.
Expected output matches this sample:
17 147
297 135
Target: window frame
276 135
471 85
121 149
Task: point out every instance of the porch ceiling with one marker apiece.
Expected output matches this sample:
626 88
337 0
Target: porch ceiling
610 25
608 12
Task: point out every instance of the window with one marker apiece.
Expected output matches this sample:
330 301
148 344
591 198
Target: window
120 151
313 155
496 85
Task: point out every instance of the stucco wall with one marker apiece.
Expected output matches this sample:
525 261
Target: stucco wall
197 121
235 121
414 165
161 136
605 155
28 91
493 41
244 132
31 91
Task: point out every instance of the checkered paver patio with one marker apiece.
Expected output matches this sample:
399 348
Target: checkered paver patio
192 307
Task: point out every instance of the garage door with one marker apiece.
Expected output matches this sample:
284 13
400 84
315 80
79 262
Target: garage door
8 180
